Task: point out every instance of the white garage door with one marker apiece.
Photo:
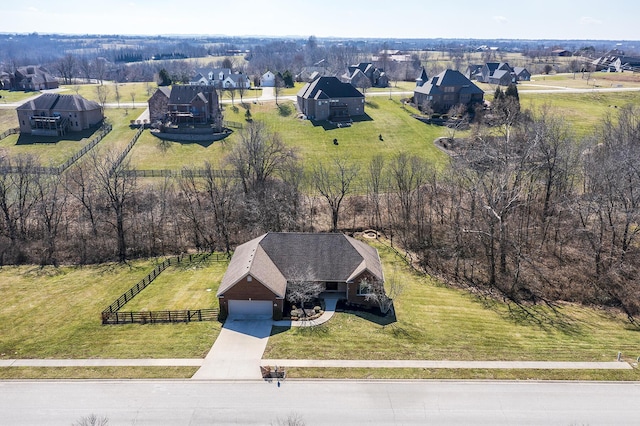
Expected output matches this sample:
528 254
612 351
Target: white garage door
250 309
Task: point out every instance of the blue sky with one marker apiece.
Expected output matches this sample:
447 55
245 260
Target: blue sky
541 19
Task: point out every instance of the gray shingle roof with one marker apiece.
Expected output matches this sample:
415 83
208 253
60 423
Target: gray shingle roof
448 78
331 86
183 94
55 101
276 257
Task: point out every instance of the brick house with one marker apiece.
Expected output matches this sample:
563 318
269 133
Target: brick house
366 70
184 104
32 78
52 114
255 283
327 98
447 89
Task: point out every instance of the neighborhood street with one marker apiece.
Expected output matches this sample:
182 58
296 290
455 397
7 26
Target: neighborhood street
349 402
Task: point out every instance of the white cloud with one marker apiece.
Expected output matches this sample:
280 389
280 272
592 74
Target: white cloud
33 9
500 19
588 20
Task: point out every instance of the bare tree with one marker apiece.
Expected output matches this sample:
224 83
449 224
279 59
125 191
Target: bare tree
117 188
375 291
102 92
302 288
333 181
222 194
66 66
116 88
259 155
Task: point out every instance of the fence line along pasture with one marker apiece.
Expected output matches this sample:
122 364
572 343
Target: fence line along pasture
111 314
103 131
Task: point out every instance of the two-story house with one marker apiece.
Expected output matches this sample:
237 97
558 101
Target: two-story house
447 89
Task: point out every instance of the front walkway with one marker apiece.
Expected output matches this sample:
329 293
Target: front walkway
330 302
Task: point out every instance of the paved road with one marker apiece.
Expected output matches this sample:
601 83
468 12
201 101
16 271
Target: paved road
180 402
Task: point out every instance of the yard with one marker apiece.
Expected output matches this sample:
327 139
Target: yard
360 142
437 322
55 313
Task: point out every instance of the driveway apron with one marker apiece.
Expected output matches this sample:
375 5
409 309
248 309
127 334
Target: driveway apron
237 351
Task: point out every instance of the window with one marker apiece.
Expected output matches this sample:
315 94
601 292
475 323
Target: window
449 89
249 278
331 286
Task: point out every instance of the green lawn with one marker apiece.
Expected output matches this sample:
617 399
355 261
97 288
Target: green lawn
360 142
8 119
141 91
183 286
55 313
9 96
437 322
52 151
584 111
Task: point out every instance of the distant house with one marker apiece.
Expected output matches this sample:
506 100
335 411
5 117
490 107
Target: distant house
32 78
447 89
327 98
357 73
497 73
500 73
52 114
220 78
268 79
308 74
184 104
616 61
473 72
261 270
562 53
522 74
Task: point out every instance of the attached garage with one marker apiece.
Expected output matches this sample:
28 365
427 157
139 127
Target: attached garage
258 309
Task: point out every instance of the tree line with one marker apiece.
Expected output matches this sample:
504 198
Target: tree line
524 210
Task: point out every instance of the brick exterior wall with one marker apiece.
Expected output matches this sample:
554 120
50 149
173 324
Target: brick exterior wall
251 290
158 106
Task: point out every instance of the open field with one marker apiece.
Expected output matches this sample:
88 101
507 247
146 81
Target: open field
359 142
583 111
438 322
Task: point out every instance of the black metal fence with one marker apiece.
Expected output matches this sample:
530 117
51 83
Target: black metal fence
102 132
126 151
154 317
198 173
111 314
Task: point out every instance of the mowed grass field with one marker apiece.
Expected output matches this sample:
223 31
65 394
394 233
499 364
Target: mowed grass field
360 142
183 286
55 313
436 322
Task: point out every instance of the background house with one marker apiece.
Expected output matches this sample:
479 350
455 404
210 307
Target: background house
32 78
52 114
327 98
447 89
255 283
220 78
268 79
366 70
184 104
616 61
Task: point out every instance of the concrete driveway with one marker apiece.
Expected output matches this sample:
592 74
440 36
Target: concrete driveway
237 351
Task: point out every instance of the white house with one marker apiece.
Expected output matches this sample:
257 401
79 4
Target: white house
268 79
220 78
